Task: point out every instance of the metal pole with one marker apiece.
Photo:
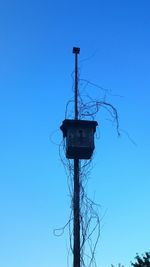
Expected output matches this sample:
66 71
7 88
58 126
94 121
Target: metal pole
76 86
76 200
76 196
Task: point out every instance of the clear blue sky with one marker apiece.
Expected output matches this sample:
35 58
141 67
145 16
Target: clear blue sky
36 62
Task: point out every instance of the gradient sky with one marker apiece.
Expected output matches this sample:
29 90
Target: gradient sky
36 62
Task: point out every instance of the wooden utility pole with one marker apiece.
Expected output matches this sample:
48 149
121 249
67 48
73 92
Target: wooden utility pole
76 195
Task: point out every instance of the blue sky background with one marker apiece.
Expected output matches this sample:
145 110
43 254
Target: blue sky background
36 62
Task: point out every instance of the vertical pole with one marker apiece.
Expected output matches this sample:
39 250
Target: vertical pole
76 204
76 195
76 86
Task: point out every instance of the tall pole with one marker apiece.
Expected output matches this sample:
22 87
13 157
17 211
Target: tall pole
76 195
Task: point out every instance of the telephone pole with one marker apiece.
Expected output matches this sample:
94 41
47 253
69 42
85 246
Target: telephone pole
76 195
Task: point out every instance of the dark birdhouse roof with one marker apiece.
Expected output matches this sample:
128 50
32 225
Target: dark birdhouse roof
77 123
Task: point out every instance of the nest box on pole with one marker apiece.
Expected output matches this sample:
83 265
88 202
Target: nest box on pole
79 136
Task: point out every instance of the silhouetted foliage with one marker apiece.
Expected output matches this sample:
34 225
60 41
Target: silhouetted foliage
142 261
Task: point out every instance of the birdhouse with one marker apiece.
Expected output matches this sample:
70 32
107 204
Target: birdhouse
79 136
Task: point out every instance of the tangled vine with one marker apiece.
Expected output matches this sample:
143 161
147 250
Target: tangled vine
89 211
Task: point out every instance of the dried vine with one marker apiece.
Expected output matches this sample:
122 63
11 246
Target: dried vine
89 210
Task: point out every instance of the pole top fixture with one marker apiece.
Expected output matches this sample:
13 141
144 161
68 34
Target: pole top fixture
76 50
